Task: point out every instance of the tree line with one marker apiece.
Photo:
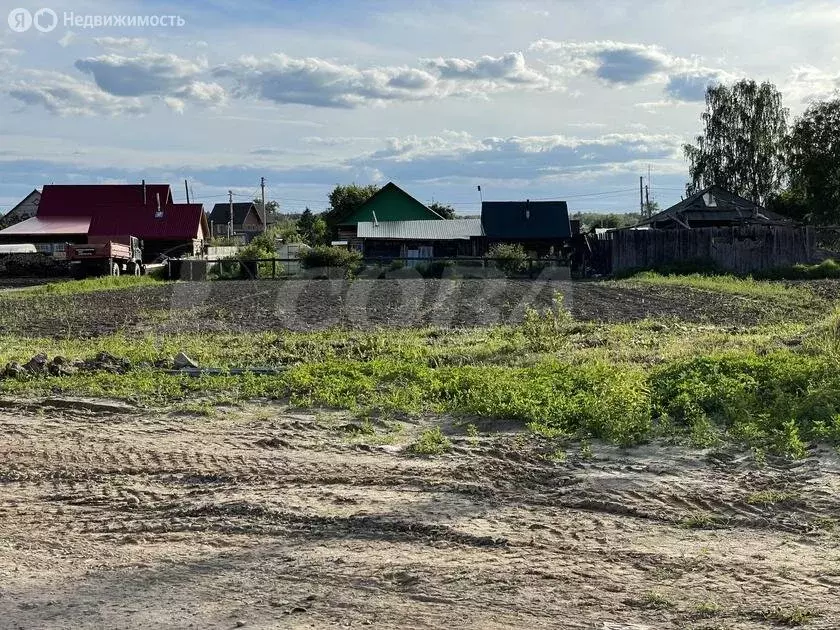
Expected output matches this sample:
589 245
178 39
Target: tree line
749 146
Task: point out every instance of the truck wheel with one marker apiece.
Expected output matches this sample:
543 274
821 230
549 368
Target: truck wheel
135 269
115 269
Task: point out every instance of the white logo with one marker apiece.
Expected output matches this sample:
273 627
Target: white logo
45 20
20 20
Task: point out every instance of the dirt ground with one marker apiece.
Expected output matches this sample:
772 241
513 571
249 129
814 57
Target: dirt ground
318 304
267 518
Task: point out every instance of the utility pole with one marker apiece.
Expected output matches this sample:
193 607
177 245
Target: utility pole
230 220
262 189
187 188
647 200
641 195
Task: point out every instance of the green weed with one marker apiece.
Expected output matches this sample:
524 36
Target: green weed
787 616
89 285
706 609
767 498
431 442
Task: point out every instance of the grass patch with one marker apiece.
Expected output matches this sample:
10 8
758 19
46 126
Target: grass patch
576 381
700 520
88 285
792 616
204 410
733 285
652 600
767 498
431 442
707 609
828 268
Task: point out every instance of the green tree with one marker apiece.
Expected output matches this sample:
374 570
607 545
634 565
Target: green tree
814 161
589 220
742 147
312 228
447 212
272 210
344 201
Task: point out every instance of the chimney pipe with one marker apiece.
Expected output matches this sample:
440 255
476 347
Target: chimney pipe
159 212
144 192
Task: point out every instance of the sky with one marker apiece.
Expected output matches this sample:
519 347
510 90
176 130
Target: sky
562 99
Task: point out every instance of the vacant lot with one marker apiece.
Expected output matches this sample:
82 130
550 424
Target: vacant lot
421 453
259 517
253 306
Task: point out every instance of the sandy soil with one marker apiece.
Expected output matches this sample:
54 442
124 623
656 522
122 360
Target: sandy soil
318 304
266 518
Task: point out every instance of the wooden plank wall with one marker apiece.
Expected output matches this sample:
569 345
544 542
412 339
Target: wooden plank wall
737 249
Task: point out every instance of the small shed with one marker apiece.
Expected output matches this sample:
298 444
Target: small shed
714 207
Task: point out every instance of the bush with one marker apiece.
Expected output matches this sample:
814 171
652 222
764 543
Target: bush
432 442
828 268
511 257
434 269
27 265
262 246
325 256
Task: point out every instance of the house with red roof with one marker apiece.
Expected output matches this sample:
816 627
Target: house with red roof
72 213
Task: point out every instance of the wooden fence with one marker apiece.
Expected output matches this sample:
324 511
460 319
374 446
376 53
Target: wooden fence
742 249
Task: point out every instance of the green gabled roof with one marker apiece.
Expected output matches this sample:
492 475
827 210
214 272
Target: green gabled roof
391 203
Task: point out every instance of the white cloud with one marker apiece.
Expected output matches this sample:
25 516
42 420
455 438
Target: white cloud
616 63
321 83
460 154
509 68
808 83
624 64
122 43
64 95
168 76
690 85
68 38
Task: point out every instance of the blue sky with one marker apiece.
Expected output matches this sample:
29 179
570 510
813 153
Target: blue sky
529 99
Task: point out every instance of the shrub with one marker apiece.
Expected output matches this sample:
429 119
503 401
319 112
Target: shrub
325 256
511 258
40 265
432 442
434 269
828 268
261 246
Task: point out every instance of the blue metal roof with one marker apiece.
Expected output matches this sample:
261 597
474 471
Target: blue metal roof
431 230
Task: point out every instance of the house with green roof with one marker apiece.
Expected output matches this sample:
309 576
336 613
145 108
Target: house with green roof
389 203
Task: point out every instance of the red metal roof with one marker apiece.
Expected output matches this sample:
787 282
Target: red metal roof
71 200
178 221
49 225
